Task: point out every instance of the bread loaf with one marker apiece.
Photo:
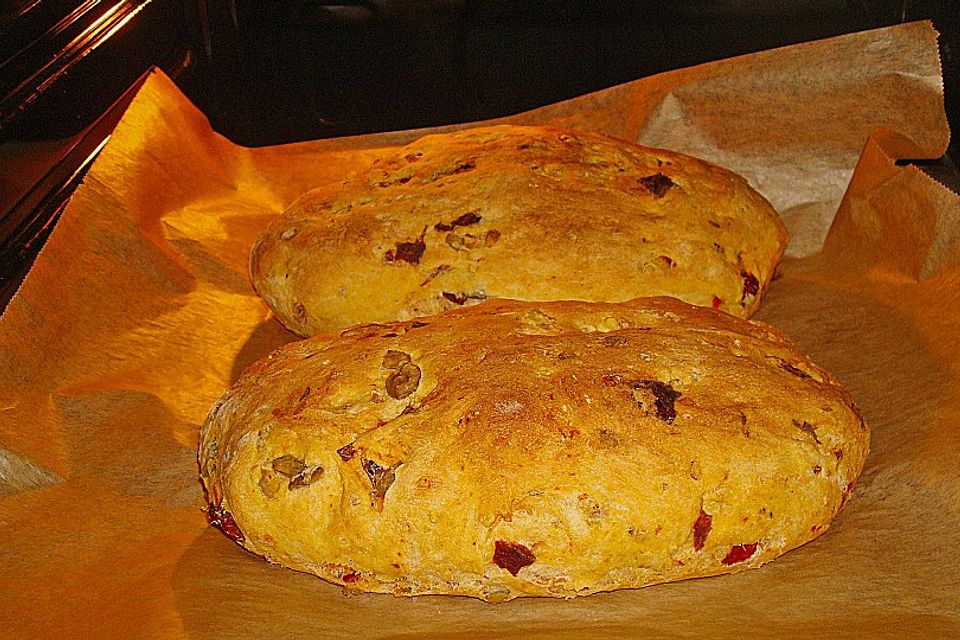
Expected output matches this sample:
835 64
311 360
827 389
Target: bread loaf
516 448
532 213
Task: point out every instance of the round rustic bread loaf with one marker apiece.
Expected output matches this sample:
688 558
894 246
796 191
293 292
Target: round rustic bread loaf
516 448
532 213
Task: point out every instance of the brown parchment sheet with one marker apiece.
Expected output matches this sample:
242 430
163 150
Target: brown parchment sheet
138 313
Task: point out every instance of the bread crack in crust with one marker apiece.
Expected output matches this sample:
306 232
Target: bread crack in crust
530 213
517 448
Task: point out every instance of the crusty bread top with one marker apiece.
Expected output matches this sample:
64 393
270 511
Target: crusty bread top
533 213
515 448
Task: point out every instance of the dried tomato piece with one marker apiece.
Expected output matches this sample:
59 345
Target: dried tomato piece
739 553
716 302
458 299
701 528
347 452
512 556
657 184
807 428
464 220
219 517
410 252
664 397
751 286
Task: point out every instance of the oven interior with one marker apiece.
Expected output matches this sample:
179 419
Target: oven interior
275 72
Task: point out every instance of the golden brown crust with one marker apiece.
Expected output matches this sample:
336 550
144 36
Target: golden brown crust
515 448
533 213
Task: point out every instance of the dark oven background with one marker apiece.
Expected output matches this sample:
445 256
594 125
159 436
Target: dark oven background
301 70
270 72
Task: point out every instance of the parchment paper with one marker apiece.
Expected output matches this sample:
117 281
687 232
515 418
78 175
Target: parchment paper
138 314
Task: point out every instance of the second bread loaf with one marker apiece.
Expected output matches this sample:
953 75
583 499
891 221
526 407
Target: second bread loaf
532 213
